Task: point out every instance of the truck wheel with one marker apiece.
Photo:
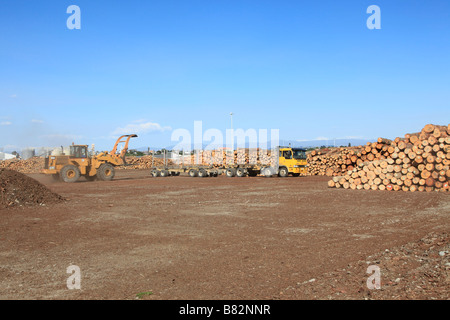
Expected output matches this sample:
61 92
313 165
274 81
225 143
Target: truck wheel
267 172
193 173
202 173
283 172
164 173
155 173
240 172
231 172
70 173
106 172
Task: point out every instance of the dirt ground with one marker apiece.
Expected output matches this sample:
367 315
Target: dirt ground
139 237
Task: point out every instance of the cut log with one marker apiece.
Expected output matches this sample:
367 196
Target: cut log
425 174
429 128
429 182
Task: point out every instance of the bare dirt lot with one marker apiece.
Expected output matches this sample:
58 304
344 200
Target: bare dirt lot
225 238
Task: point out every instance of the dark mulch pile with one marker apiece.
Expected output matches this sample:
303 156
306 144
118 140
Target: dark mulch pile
17 189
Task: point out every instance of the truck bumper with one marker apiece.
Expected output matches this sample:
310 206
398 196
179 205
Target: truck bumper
301 170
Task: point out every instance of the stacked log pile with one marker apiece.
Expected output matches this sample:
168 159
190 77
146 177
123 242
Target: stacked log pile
332 162
417 162
32 165
336 161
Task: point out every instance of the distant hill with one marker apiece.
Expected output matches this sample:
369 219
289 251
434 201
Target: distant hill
293 143
328 143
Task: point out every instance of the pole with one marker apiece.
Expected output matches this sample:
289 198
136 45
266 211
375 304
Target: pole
231 118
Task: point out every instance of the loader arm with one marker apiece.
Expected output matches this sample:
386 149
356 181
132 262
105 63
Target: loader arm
125 147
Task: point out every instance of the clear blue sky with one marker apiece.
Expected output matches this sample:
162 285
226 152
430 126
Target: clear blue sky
309 68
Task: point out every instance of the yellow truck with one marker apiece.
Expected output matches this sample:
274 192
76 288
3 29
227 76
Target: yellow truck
292 161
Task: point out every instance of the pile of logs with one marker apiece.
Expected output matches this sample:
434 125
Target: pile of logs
32 165
332 162
417 162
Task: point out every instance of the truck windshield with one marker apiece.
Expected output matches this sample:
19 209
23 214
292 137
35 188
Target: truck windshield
299 154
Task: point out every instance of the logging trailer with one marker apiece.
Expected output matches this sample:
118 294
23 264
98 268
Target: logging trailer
291 161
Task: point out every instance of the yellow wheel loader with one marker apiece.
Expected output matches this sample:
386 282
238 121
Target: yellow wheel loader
77 162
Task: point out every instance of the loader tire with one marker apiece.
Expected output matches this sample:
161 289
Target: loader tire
106 172
70 173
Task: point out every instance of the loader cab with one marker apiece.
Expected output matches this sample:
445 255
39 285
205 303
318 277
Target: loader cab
78 151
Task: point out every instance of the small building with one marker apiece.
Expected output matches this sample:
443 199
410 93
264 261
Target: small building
7 156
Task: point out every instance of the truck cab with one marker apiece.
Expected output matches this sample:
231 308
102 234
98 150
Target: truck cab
292 161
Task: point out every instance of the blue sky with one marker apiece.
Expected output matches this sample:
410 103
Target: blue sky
311 69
